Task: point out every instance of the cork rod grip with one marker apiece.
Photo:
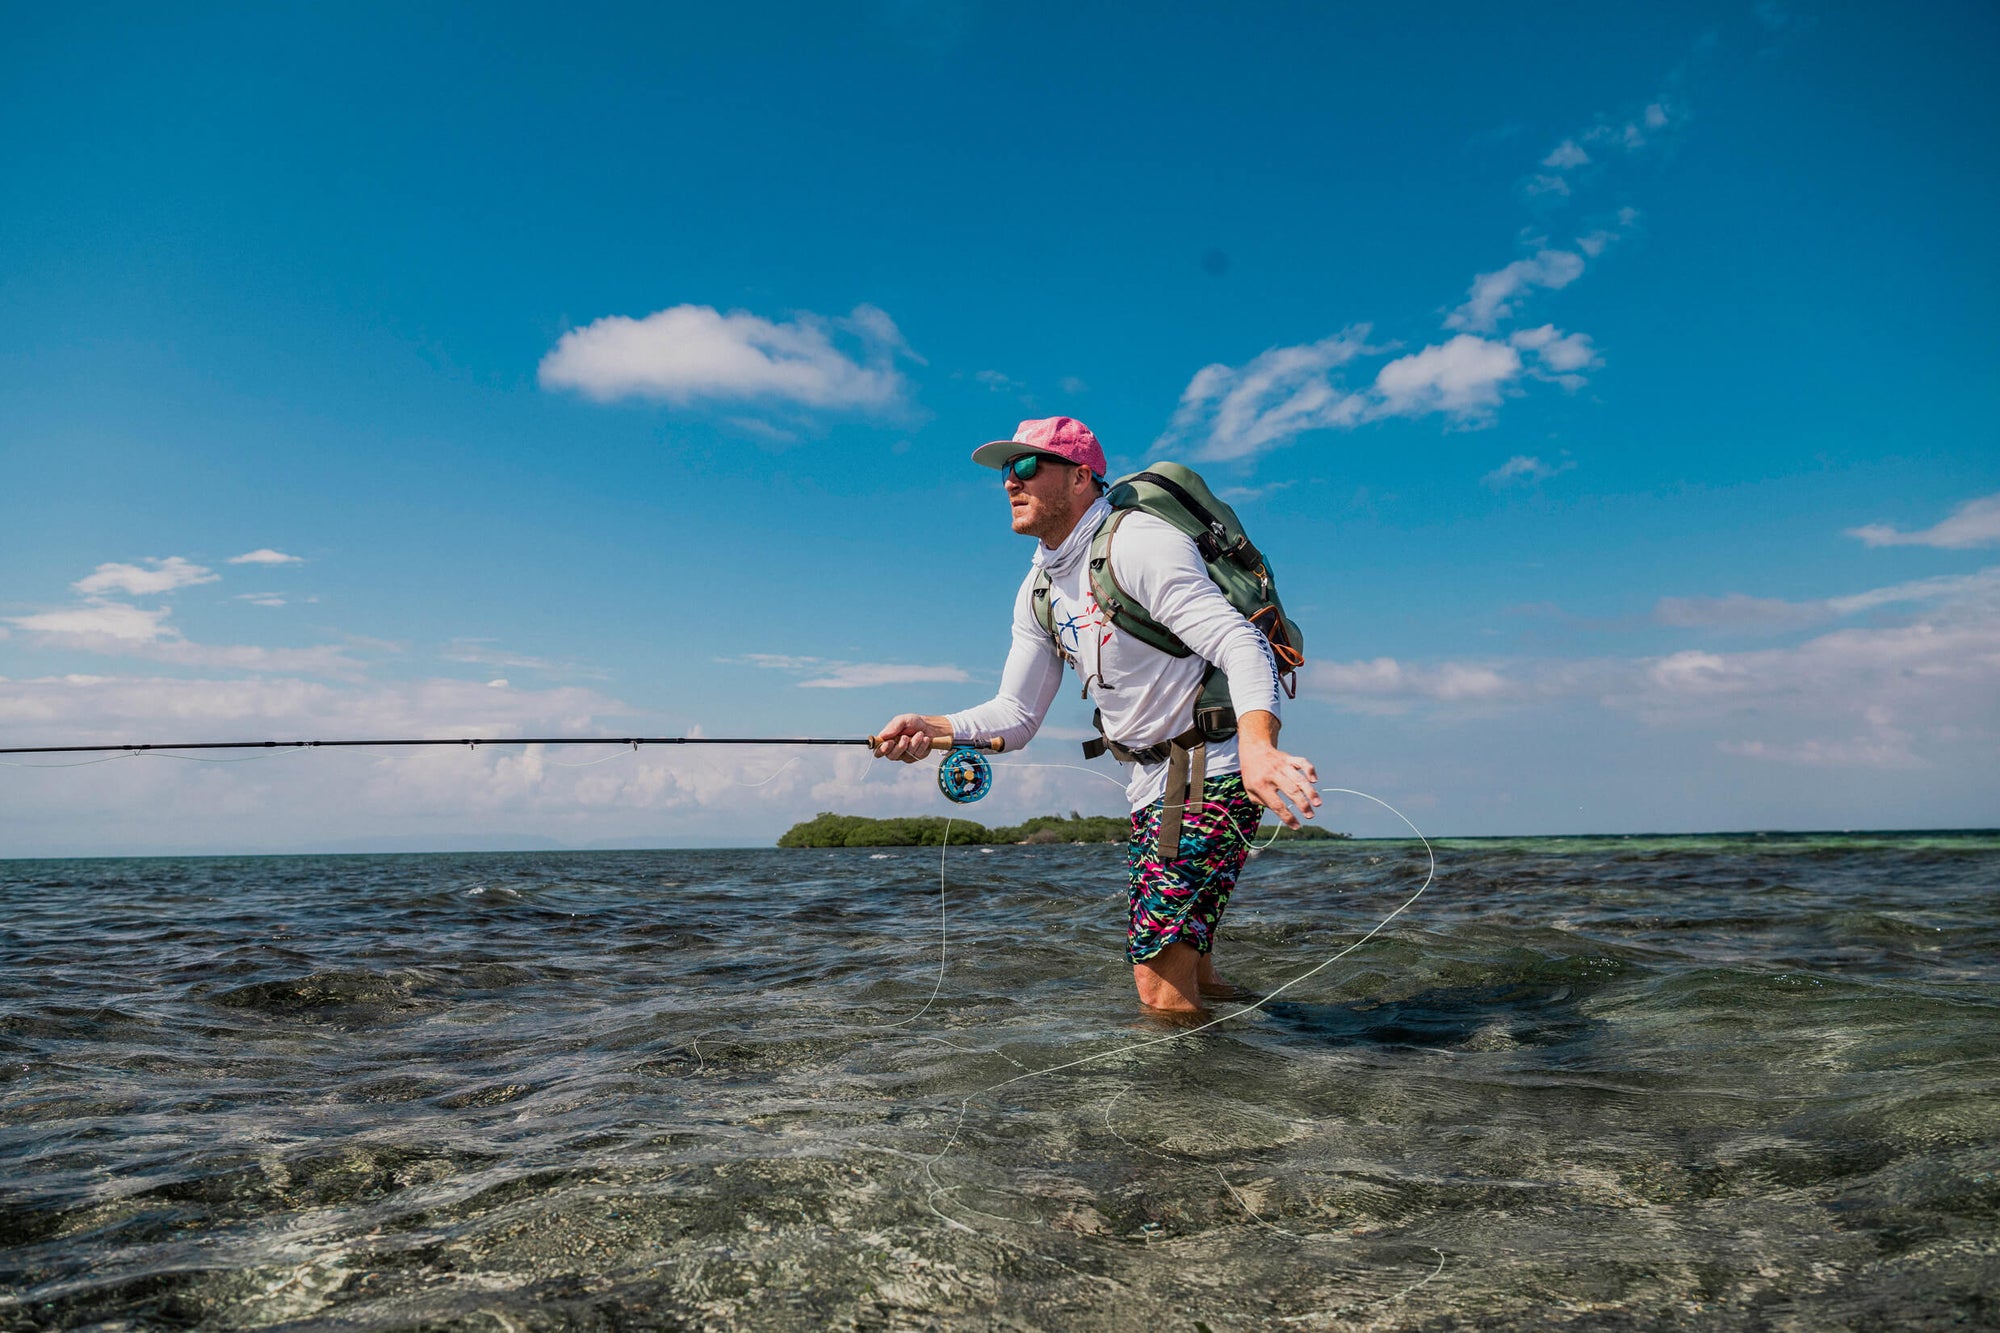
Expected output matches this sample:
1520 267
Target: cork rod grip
940 744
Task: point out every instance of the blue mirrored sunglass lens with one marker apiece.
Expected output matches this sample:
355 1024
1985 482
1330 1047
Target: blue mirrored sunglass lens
1025 467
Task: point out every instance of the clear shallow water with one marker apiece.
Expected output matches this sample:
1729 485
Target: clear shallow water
1714 1083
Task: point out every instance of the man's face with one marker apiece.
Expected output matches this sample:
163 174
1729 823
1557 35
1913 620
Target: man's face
1047 504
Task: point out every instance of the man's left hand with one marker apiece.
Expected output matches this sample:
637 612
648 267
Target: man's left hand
1270 775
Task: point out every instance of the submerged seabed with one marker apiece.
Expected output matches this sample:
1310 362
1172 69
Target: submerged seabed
1714 1083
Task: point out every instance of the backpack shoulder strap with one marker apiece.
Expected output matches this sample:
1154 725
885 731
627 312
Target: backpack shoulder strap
1121 607
1045 614
1213 540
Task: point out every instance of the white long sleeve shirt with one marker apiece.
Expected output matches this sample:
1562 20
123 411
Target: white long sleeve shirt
1144 695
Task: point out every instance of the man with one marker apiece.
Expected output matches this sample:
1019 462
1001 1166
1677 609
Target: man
1053 472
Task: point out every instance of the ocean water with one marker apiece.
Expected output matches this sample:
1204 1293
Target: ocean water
1714 1083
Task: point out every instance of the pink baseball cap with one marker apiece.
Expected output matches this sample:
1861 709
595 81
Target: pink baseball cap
1065 437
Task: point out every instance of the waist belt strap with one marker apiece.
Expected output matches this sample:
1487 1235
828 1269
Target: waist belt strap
1187 777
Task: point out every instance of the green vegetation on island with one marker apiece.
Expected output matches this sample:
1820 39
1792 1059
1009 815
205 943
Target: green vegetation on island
830 830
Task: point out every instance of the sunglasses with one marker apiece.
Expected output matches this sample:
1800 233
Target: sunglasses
1026 466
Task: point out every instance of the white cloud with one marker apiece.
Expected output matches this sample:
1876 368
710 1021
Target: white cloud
1895 696
1228 413
1525 468
1632 134
1889 750
1071 384
1236 495
829 674
260 598
860 675
1232 413
1567 154
1561 358
116 629
1386 681
264 555
998 381
1493 296
112 621
1558 351
599 795
1462 378
162 576
1741 612
481 652
1974 523
1737 611
692 352
1608 137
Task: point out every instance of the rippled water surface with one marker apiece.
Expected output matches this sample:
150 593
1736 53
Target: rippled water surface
1702 1082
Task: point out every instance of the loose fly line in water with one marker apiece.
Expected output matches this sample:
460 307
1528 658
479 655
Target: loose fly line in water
964 776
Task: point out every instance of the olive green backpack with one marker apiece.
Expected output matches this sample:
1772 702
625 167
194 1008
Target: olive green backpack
1179 495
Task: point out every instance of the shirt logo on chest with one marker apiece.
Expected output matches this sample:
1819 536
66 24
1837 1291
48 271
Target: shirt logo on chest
1076 623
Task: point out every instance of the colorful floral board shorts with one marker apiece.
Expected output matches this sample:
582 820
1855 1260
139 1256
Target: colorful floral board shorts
1183 899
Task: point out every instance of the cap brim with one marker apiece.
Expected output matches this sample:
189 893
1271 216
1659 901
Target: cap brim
996 453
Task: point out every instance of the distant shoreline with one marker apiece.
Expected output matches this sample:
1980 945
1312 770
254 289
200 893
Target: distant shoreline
550 847
831 830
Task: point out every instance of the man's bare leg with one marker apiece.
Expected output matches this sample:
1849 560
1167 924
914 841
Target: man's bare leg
1213 985
1167 980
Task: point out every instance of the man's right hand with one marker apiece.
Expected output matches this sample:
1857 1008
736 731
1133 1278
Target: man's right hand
908 737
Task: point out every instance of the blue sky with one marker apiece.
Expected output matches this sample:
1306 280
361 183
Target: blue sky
1615 390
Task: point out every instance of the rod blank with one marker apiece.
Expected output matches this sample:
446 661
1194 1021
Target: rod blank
634 741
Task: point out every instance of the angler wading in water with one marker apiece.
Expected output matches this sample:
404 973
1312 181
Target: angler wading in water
1197 728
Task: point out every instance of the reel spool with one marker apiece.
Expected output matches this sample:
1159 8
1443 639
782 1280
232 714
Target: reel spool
964 775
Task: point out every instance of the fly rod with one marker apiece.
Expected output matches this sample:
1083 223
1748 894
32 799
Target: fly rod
937 743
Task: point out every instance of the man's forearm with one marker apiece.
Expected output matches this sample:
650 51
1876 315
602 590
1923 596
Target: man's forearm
1257 729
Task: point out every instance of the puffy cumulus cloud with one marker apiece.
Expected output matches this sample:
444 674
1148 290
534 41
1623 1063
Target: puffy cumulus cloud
694 352
1974 523
1558 356
264 555
1461 378
149 579
1494 296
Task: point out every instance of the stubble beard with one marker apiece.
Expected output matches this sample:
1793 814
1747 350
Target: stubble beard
1047 521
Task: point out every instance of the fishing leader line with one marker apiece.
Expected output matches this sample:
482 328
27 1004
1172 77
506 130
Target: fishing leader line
964 780
938 1189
